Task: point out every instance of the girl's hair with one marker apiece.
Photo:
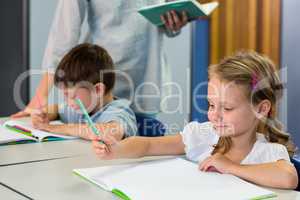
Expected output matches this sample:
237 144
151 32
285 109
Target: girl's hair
258 74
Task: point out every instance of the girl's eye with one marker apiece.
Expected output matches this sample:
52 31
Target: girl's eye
211 106
228 109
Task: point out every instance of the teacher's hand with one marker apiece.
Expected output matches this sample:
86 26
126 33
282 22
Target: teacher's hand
33 105
24 113
173 21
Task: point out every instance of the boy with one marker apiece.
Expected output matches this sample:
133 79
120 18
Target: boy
86 73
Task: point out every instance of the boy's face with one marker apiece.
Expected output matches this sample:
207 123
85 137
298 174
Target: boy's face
229 109
88 97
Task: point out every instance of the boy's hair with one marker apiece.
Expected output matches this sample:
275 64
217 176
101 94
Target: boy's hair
86 63
258 74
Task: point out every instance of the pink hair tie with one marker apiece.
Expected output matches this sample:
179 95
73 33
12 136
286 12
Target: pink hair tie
254 81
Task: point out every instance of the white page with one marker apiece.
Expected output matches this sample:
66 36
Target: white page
178 179
39 133
209 7
7 136
101 176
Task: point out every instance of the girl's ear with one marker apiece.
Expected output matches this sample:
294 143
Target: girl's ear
100 89
263 109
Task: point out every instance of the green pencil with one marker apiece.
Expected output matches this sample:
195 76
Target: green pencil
89 120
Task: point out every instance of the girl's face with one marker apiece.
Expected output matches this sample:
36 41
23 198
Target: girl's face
86 96
229 109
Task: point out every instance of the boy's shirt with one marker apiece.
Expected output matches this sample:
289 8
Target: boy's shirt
116 111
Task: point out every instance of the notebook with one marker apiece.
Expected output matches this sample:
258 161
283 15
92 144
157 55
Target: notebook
193 9
15 131
174 179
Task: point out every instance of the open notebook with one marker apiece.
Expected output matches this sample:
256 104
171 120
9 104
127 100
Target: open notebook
170 179
15 131
193 9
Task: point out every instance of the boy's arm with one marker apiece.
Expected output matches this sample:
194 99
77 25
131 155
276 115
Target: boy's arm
278 174
52 112
135 147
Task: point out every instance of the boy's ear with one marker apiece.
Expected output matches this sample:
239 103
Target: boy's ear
263 109
100 89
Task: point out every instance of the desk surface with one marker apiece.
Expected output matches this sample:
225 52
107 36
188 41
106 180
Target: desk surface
13 154
54 179
8 194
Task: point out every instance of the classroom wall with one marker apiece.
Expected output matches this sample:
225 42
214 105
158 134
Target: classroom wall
178 52
41 14
291 62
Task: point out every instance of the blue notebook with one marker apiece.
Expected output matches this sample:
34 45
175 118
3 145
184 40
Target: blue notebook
193 9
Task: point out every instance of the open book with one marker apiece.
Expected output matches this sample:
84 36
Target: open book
193 9
17 131
170 179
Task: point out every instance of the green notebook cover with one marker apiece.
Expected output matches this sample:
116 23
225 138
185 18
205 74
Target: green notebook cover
191 7
115 191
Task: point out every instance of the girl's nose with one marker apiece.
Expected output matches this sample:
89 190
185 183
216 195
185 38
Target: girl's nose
216 115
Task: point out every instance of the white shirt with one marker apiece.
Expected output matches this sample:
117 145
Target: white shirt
134 44
199 140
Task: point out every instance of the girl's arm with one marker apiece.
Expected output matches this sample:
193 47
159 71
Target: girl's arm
278 174
135 147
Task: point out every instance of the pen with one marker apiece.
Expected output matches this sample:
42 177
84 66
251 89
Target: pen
89 121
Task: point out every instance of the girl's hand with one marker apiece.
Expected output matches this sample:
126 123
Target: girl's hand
217 162
173 22
105 151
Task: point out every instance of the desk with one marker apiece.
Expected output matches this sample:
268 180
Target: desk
54 179
13 154
8 194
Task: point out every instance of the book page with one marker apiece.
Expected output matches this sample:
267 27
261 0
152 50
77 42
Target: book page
209 7
38 133
179 179
101 176
7 136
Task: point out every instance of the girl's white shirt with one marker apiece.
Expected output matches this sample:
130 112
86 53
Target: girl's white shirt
199 140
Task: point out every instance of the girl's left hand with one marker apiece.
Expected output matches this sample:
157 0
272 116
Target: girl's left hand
173 21
219 162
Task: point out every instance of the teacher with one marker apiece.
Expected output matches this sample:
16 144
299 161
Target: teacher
136 47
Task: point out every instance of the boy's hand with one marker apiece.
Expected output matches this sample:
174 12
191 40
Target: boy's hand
105 151
218 163
173 21
40 120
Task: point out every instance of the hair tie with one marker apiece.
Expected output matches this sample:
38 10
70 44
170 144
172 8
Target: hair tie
254 81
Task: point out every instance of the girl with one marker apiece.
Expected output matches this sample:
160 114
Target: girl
242 136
